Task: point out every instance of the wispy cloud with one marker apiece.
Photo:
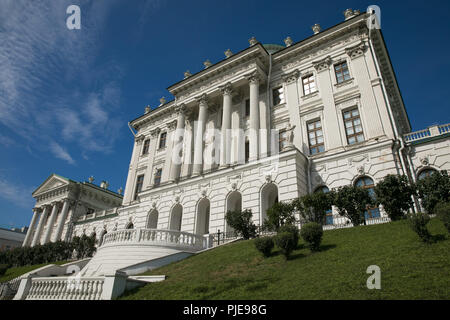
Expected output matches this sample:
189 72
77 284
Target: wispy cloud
61 153
15 194
47 73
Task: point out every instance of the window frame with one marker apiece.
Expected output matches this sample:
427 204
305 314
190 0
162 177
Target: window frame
352 119
342 71
309 76
138 186
146 147
161 140
314 130
281 100
156 176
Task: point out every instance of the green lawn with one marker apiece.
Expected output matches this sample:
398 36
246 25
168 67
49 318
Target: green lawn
12 273
410 269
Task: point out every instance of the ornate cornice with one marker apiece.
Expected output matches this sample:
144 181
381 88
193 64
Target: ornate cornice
323 64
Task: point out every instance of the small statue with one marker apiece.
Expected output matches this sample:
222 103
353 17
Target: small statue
290 136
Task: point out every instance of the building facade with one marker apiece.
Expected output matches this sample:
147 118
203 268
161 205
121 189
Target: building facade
11 238
270 123
60 202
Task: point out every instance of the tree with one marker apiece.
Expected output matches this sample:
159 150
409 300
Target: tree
280 214
313 207
241 222
394 193
434 189
352 202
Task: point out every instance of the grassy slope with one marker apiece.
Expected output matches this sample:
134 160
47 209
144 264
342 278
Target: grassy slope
12 273
410 269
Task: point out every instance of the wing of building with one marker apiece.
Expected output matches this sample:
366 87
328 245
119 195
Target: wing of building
269 123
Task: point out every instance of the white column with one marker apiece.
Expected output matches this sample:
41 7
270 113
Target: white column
31 227
62 220
37 234
225 143
198 145
254 117
178 137
51 222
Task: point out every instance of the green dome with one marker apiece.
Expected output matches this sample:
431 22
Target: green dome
272 48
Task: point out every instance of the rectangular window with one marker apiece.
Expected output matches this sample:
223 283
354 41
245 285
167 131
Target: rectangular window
162 140
342 73
281 140
309 85
315 137
353 127
139 183
278 96
247 151
247 108
158 175
146 146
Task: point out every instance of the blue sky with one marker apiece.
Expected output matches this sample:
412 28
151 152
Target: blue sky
66 96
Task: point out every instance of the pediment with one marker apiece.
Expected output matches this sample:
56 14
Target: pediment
52 182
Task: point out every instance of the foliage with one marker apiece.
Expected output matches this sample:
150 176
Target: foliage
394 193
281 213
84 246
312 234
313 207
286 242
291 229
434 189
352 202
418 223
241 222
264 245
50 252
442 211
3 268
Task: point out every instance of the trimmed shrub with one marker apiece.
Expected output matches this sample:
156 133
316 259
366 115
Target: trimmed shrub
418 223
241 222
264 245
312 234
313 207
291 229
3 268
442 211
434 189
286 242
351 202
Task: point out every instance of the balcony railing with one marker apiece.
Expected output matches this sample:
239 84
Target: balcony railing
66 288
170 238
426 133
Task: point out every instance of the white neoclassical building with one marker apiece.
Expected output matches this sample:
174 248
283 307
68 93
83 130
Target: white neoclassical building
269 123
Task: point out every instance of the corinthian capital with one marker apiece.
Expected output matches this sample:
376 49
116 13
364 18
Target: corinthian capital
226 89
253 78
203 99
291 77
181 109
154 133
323 64
356 51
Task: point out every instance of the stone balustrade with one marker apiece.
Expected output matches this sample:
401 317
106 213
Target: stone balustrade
426 133
66 288
168 238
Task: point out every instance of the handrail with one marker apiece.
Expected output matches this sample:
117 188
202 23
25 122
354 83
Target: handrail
426 133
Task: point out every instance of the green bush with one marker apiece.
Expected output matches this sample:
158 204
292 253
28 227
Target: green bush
418 223
293 230
442 211
286 242
313 207
280 214
312 234
264 245
394 193
3 268
351 202
241 222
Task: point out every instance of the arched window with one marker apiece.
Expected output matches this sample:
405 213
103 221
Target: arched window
152 219
102 236
269 196
203 215
367 183
329 213
425 173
